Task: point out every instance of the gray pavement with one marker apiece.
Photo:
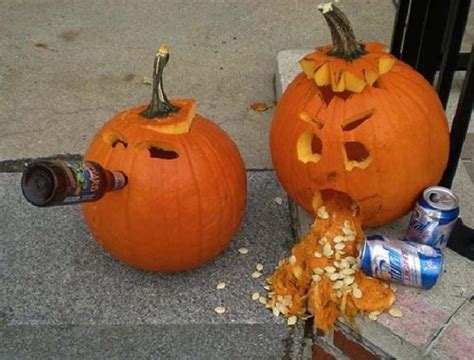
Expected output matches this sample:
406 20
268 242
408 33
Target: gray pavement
223 53
63 297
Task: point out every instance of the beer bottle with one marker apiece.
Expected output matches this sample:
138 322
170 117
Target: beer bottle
49 183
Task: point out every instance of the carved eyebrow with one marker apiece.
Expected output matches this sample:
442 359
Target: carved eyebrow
311 119
357 120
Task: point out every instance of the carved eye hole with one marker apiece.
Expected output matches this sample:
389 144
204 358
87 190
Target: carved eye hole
159 150
356 155
359 119
114 139
309 148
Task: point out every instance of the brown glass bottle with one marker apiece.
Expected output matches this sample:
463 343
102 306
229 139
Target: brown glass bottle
50 183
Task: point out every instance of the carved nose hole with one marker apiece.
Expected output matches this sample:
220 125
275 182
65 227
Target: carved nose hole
356 121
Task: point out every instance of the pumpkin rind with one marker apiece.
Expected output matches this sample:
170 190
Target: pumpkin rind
174 214
187 184
406 134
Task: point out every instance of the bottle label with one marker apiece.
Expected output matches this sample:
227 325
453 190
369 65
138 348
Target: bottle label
85 182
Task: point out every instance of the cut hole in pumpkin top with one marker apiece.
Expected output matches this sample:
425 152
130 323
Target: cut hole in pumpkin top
356 155
357 120
158 150
114 139
309 148
327 94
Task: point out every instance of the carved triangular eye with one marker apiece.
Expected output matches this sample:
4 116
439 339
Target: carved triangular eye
357 120
356 155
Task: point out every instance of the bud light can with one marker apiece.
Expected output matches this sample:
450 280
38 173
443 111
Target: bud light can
433 217
403 262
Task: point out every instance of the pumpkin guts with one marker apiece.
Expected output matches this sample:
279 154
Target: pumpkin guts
321 277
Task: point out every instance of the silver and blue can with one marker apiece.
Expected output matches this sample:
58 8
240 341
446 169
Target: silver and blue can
403 262
433 217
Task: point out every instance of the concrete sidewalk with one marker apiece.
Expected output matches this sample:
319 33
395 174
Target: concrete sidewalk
52 100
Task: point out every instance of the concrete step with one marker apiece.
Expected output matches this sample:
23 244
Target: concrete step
63 297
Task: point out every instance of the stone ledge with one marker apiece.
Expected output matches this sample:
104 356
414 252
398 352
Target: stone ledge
427 328
62 294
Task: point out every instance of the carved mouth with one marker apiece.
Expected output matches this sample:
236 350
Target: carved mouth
324 195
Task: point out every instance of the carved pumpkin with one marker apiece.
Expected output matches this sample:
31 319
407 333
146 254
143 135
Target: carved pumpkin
186 191
360 122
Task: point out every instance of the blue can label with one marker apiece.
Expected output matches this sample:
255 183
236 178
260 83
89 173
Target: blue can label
433 217
402 262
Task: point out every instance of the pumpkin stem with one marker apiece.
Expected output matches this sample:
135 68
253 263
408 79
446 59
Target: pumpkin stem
345 43
160 106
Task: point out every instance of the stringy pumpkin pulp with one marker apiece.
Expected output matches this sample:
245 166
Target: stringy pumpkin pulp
321 277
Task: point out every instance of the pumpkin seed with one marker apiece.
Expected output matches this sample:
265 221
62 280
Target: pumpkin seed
292 320
318 271
256 274
373 316
348 271
338 256
338 284
395 312
350 259
220 309
317 254
323 240
275 311
243 250
349 238
259 267
330 269
262 300
339 293
338 239
334 277
339 246
347 231
292 259
278 200
255 296
327 250
220 286
357 293
266 287
322 213
316 278
349 280
344 264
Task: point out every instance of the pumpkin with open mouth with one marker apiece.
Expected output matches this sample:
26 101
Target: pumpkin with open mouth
361 122
186 191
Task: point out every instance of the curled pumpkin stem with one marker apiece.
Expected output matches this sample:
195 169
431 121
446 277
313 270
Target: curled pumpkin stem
343 38
160 107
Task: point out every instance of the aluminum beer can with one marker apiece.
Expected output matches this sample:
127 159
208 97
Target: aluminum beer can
403 262
433 217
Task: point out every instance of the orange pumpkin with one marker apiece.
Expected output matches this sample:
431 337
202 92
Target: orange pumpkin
360 122
186 191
